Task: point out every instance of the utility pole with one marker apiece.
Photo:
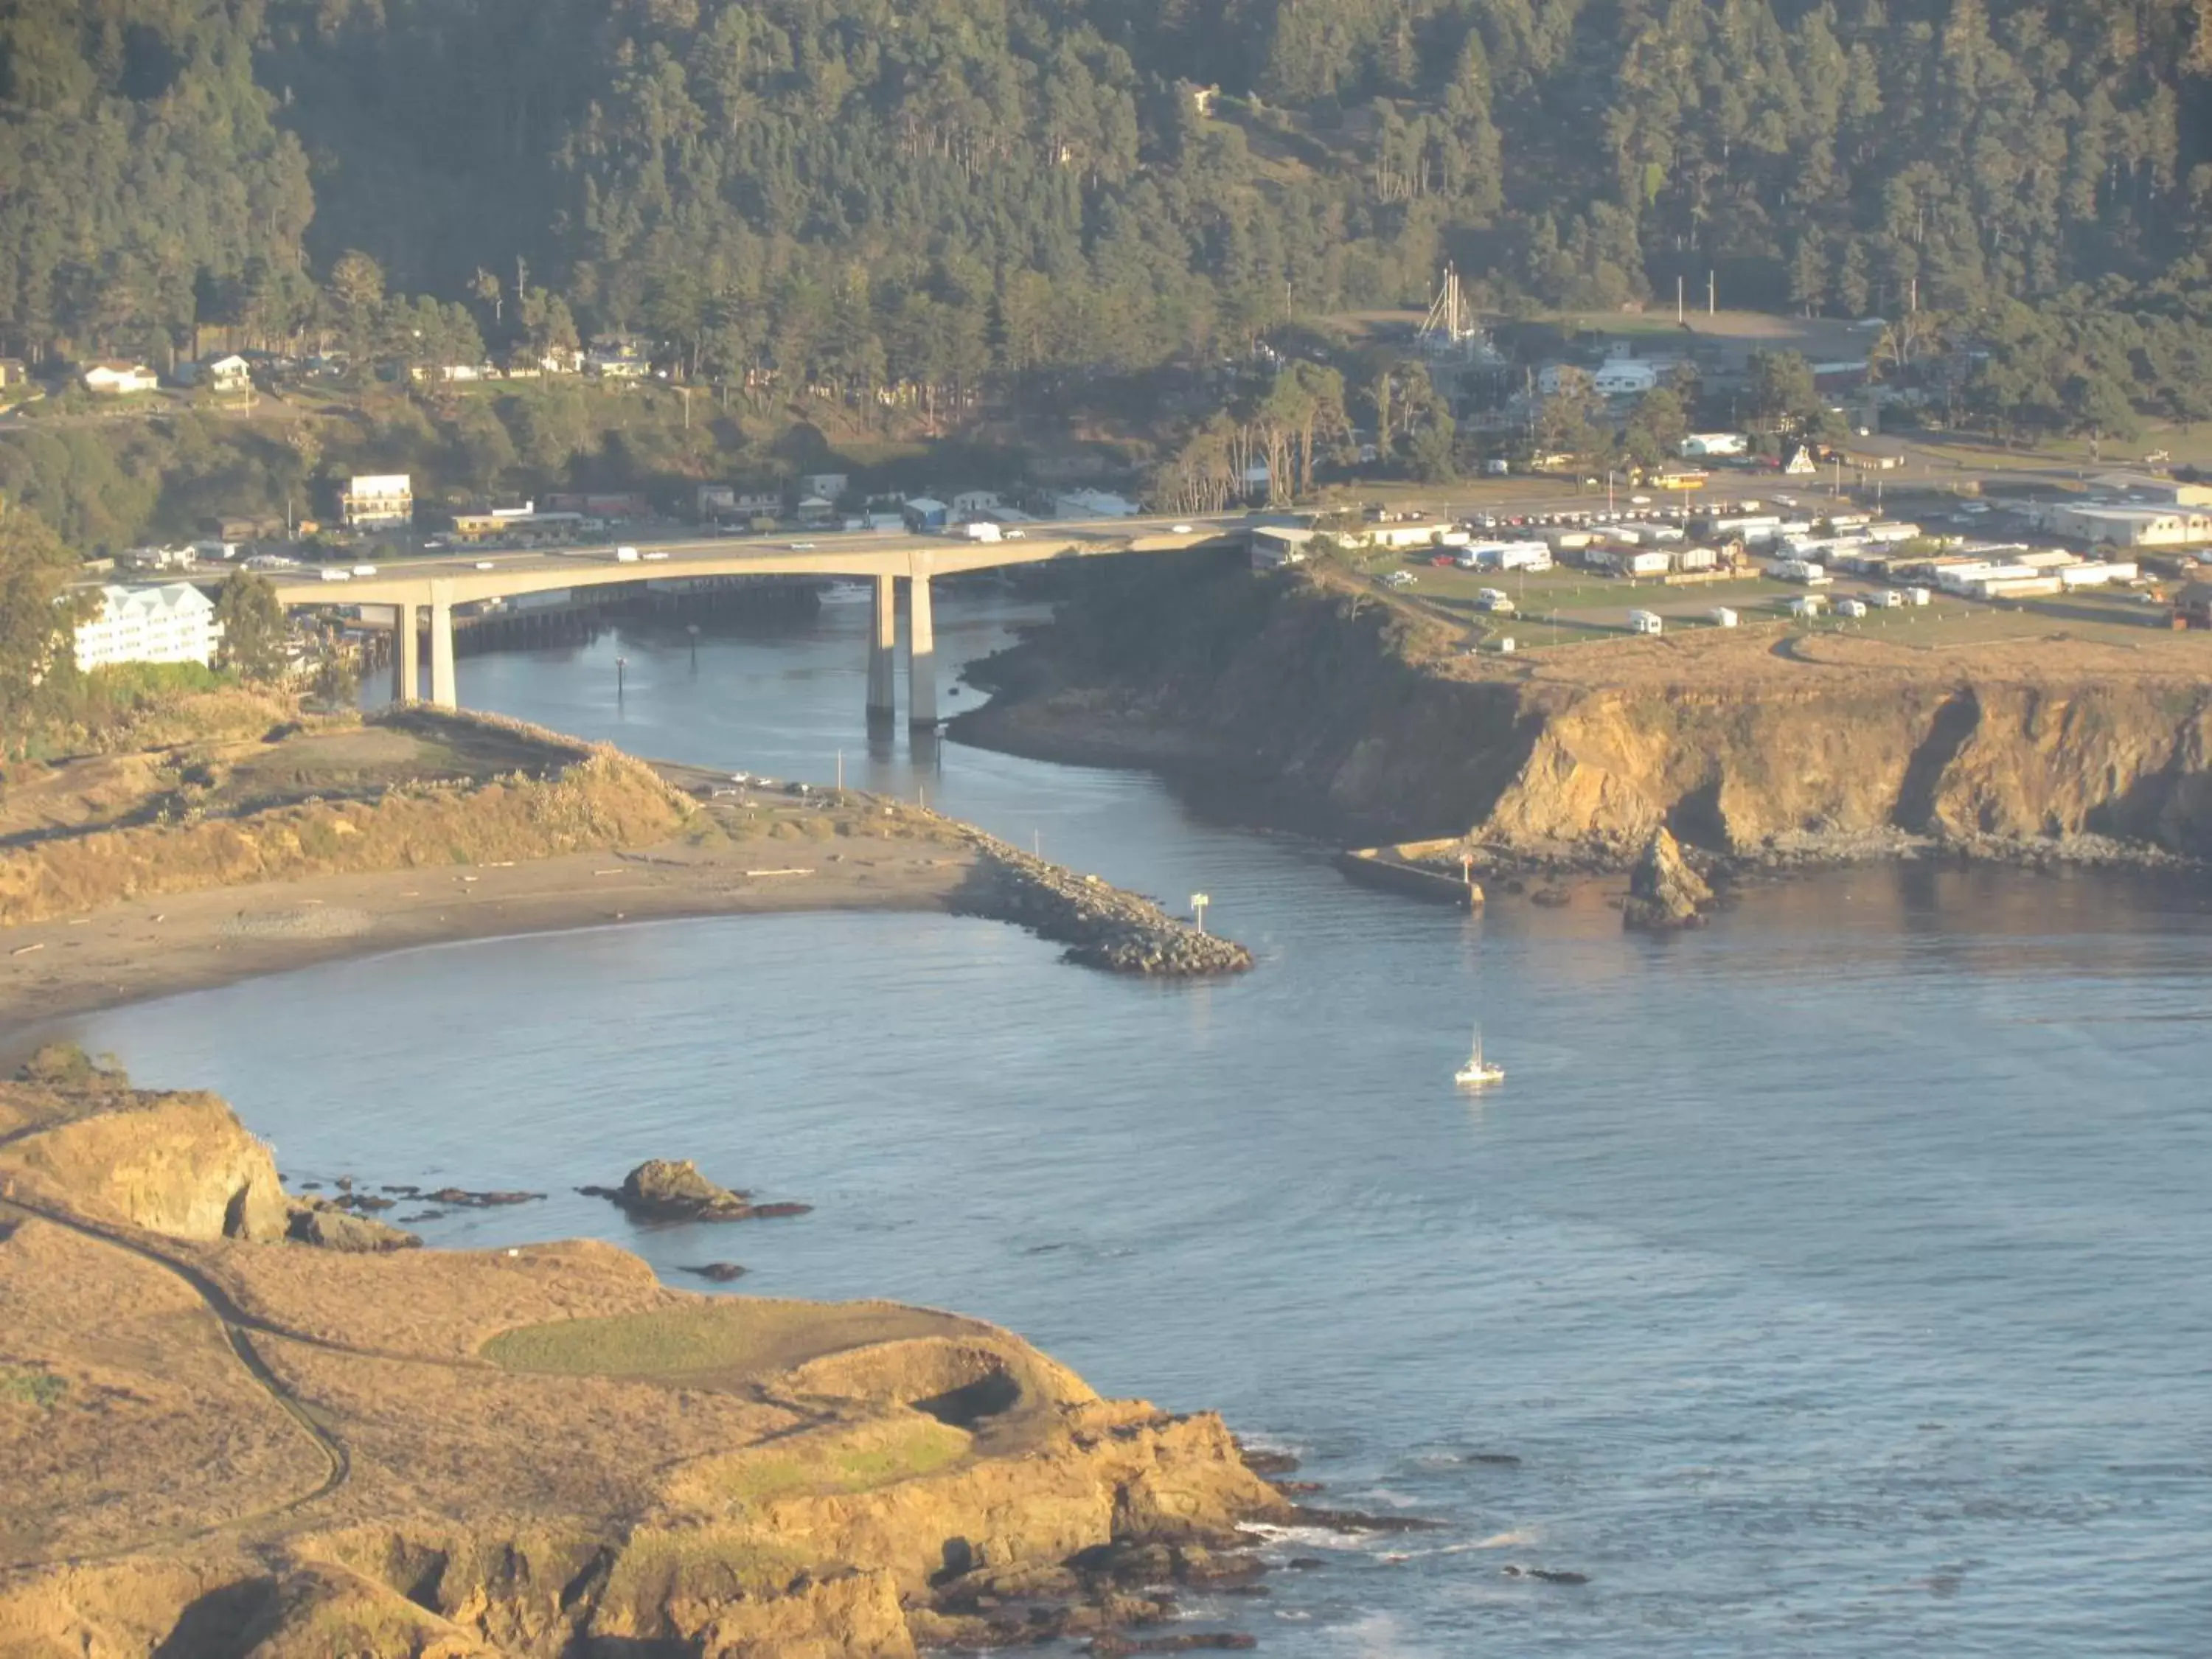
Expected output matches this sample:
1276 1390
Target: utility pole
1712 294
1679 317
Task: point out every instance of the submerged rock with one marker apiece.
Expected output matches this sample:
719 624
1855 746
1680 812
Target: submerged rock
1664 892
671 1189
720 1272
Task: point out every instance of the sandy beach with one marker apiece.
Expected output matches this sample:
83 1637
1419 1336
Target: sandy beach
155 947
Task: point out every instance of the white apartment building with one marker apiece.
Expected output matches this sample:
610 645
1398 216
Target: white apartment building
378 502
173 622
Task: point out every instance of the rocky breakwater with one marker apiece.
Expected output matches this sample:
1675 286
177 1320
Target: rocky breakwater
1102 926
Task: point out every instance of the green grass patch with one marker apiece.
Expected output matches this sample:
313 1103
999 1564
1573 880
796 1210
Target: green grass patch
35 1387
857 1460
729 1336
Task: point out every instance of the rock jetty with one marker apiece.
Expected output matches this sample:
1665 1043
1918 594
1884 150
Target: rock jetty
1102 926
672 1189
1664 894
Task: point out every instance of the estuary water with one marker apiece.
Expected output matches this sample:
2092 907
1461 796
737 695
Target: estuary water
1837 1281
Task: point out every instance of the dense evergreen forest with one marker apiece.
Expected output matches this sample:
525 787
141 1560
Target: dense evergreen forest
915 197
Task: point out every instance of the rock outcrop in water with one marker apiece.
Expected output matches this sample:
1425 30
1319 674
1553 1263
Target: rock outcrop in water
672 1189
1664 894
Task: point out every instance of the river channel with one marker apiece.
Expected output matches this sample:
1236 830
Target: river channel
1837 1281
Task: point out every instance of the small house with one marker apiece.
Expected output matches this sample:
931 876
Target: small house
115 378
827 485
13 372
618 358
228 373
970 503
926 512
1275 546
1807 605
1645 621
1650 561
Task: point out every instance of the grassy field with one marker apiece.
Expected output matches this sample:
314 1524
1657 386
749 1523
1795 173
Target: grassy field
729 1340
847 1458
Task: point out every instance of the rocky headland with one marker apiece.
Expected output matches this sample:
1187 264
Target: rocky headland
220 1441
1756 751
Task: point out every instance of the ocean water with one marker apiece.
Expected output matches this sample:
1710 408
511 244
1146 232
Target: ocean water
1836 1281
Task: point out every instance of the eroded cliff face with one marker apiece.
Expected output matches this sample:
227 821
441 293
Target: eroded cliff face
1740 770
180 1164
1735 744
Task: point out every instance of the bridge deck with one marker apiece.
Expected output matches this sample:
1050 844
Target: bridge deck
462 578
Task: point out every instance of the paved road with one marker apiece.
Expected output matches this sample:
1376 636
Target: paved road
467 575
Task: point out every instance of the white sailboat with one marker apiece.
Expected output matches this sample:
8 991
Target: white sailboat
1478 1073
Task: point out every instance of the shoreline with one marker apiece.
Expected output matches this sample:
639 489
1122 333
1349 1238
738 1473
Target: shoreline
143 949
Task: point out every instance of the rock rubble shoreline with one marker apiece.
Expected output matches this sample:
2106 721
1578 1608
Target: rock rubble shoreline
1102 926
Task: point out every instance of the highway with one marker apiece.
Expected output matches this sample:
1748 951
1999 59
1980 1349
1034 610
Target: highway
465 575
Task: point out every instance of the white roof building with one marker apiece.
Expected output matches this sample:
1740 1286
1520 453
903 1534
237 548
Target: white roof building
227 373
114 378
379 501
173 622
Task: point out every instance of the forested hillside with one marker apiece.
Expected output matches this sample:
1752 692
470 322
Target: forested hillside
930 192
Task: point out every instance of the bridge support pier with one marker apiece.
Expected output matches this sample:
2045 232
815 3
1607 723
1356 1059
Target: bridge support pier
406 665
922 657
443 691
883 652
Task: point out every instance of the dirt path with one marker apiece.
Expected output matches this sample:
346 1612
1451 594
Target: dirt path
237 1327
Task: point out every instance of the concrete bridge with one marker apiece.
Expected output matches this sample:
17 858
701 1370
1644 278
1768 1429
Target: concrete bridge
412 587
